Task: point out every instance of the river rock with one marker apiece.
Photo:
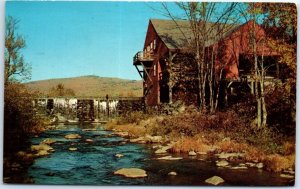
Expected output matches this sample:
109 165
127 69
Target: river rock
289 171
239 167
156 146
48 141
222 163
140 140
164 149
73 149
91 129
160 151
260 165
131 172
192 153
119 155
172 173
229 155
215 180
73 136
42 147
154 139
89 140
249 164
169 158
122 134
287 176
42 153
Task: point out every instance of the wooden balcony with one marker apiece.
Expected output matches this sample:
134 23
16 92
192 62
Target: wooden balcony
141 58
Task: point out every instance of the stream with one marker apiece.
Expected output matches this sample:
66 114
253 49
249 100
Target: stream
94 163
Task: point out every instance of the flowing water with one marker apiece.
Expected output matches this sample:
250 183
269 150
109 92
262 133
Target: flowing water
94 163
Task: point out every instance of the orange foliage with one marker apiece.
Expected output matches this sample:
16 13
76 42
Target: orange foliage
187 144
277 163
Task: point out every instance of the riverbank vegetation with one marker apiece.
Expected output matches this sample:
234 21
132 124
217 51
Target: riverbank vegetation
229 131
21 119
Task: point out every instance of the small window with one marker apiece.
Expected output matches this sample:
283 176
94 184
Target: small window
154 44
151 45
154 70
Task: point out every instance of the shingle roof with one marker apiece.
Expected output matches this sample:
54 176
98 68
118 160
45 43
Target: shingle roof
177 34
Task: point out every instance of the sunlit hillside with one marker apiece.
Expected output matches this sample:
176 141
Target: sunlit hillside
92 86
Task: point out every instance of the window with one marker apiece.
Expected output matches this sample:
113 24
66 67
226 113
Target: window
154 70
154 44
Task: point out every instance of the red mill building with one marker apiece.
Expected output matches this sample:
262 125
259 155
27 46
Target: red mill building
232 49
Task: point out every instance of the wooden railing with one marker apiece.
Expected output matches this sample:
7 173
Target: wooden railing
143 57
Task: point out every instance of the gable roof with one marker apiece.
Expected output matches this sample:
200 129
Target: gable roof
176 34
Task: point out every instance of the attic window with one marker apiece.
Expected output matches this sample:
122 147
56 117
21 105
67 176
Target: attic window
151 45
154 44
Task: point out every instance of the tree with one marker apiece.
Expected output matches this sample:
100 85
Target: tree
20 118
281 27
60 90
14 60
208 21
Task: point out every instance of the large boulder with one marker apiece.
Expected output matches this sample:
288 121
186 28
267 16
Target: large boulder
215 180
131 172
73 136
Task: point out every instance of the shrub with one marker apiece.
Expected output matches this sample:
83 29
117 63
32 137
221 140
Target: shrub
20 118
232 146
186 144
132 117
277 163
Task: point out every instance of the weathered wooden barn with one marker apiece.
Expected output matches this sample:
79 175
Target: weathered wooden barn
232 52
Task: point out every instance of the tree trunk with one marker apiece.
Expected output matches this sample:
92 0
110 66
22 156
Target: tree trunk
170 93
256 76
262 92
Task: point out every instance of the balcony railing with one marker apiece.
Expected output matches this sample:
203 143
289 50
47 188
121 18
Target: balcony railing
143 57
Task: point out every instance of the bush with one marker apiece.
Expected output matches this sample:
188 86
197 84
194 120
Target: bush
20 118
277 163
186 144
196 122
132 117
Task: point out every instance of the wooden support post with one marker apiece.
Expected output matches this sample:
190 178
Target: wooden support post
107 105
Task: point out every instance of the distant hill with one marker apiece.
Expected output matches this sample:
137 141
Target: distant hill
91 86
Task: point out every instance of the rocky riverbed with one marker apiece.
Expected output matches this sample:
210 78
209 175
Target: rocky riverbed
88 154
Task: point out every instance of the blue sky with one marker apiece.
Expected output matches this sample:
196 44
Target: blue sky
67 39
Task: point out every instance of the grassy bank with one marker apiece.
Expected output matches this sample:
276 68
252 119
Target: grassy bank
221 132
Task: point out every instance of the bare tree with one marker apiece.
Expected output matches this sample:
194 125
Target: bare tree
208 22
14 60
